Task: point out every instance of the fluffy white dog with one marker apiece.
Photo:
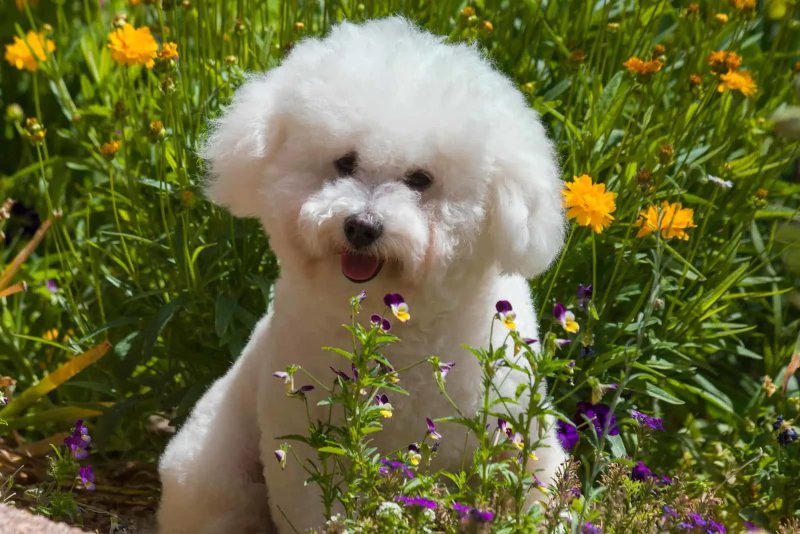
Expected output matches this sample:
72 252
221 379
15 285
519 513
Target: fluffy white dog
382 158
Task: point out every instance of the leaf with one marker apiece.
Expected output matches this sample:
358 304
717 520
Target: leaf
52 380
341 352
790 370
332 450
224 307
617 446
54 415
658 393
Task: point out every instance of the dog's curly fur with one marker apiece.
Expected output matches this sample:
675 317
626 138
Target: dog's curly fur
398 100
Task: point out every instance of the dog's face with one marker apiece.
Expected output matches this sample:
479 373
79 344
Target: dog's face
380 152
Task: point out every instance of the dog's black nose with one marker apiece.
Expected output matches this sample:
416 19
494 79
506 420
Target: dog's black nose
362 230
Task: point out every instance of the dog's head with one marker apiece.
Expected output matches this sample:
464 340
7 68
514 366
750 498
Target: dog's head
380 151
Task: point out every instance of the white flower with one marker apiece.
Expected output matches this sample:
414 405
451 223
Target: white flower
725 184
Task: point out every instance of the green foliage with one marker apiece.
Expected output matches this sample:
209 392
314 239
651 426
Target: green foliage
687 329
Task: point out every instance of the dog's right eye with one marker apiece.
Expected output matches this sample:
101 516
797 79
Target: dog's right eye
346 164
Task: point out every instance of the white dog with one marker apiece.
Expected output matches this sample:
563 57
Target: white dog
378 156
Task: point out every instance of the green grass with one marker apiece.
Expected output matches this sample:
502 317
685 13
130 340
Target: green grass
688 328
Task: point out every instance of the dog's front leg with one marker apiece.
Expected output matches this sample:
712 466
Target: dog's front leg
211 471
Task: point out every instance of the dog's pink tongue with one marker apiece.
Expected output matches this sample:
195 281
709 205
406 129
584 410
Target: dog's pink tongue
359 267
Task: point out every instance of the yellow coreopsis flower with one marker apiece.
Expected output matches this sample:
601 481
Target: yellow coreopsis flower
589 204
133 46
724 60
169 51
672 219
108 150
738 80
642 68
744 5
26 54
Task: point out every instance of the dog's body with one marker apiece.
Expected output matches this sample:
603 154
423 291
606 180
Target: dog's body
377 155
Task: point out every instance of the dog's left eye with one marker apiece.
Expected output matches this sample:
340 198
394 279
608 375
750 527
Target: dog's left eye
418 180
346 164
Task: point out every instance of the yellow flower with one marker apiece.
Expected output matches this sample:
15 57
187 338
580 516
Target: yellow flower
414 458
721 18
51 335
738 80
744 5
109 149
724 60
133 46
590 204
387 414
642 68
26 54
169 51
671 219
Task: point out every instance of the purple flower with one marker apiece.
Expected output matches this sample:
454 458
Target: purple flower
505 427
713 526
656 423
566 318
475 514
434 435
283 375
362 295
664 480
341 374
280 455
697 519
392 299
422 502
481 516
445 368
589 528
462 509
395 465
503 306
600 415
78 442
669 511
787 434
51 286
86 475
778 423
751 527
302 390
641 472
377 320
567 435
683 525
584 295
506 314
398 305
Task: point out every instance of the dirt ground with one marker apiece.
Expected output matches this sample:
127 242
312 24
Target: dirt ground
124 501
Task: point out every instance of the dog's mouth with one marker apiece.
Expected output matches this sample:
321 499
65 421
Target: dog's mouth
360 268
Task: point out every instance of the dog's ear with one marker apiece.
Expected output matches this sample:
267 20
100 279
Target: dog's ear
526 220
240 143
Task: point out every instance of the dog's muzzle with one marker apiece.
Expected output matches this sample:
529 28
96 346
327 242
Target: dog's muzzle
361 230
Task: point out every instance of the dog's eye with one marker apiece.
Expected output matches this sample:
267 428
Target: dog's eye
346 164
418 180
